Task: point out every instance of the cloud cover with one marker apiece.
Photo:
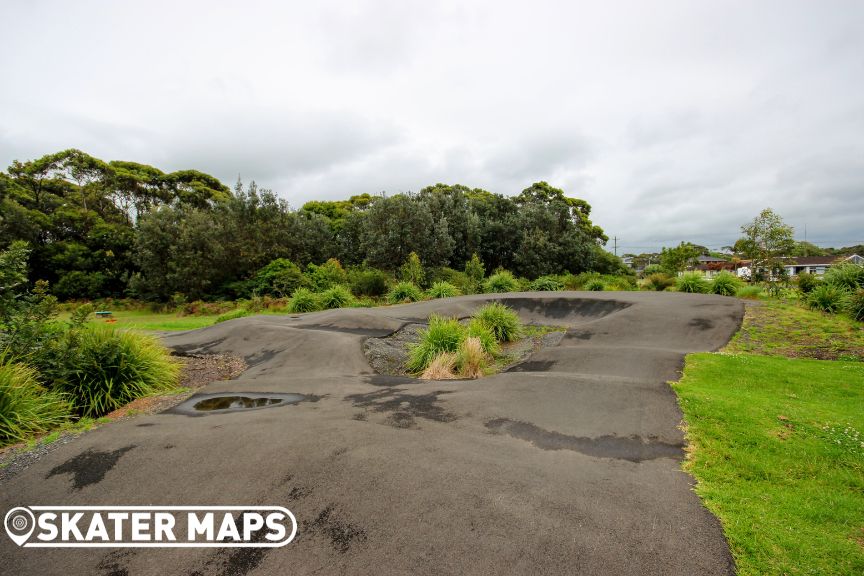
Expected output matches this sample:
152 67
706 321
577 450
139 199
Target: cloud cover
675 120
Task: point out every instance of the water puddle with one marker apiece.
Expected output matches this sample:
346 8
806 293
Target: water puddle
201 404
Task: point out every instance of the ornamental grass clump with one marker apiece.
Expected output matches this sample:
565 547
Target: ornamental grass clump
658 282
404 292
502 281
547 284
442 335
827 298
501 320
471 361
595 285
26 408
692 282
441 367
855 305
725 284
337 296
442 290
847 276
303 300
107 368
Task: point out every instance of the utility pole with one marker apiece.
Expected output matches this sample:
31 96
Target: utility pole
615 240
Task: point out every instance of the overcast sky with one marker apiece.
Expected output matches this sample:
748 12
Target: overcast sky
675 120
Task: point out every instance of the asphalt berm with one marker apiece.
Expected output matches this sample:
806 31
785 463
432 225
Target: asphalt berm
567 464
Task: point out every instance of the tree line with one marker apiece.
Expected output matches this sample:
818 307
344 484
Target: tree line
118 228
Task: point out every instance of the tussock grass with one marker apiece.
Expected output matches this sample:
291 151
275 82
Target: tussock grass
303 300
443 290
26 408
827 298
502 281
692 282
441 367
232 315
442 335
547 284
108 368
501 320
404 292
335 297
725 284
471 359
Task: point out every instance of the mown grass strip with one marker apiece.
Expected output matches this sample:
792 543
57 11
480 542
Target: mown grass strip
777 447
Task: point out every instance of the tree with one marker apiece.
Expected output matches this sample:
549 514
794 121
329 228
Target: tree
412 270
675 260
766 240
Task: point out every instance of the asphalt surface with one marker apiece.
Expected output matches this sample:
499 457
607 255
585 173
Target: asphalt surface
568 464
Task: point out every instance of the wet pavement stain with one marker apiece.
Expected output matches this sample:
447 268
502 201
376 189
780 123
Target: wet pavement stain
89 467
630 448
404 408
701 323
224 403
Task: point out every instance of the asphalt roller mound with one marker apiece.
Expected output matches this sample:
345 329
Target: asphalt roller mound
568 464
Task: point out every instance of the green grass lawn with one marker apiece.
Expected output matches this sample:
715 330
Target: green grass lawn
145 320
772 327
777 447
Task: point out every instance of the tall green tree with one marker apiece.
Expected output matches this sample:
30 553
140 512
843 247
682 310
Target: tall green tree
765 241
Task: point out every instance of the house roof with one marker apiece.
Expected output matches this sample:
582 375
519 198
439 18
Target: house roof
704 259
815 260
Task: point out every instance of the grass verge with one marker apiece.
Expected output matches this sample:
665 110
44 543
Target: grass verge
775 328
777 447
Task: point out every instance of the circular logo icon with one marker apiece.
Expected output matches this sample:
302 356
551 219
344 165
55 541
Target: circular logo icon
19 523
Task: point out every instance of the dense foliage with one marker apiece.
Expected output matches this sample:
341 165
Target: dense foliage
118 228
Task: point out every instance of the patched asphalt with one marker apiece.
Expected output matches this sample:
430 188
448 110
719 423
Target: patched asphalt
567 464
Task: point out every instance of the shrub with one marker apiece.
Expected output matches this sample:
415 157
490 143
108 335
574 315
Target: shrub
368 282
78 284
595 285
25 407
618 282
807 282
725 284
412 270
578 281
827 297
303 300
547 284
849 276
692 282
232 315
502 281
441 367
107 368
471 360
855 304
659 282
326 275
335 297
442 335
652 269
474 271
279 278
404 292
751 292
442 290
501 320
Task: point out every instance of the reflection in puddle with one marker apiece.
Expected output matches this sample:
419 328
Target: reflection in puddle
234 403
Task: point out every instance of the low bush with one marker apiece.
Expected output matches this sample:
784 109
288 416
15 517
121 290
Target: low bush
807 282
659 282
278 278
234 314
442 335
547 284
303 300
692 282
594 285
827 298
335 297
578 281
500 282
442 290
107 368
404 292
501 320
749 292
368 282
652 269
325 276
848 276
25 407
855 305
725 284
